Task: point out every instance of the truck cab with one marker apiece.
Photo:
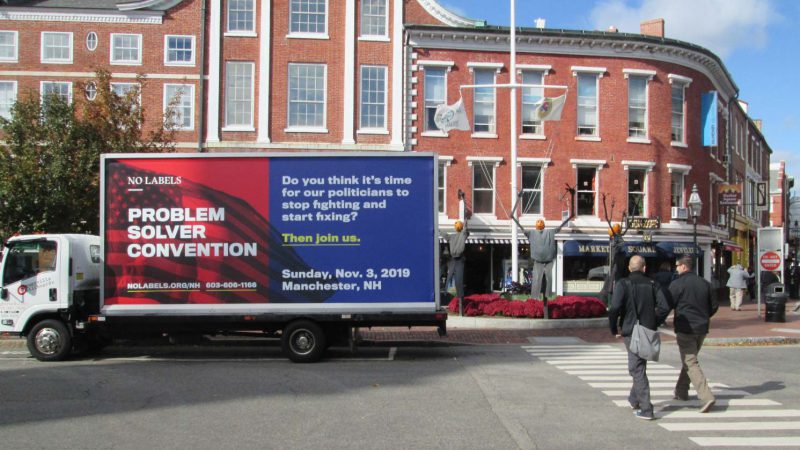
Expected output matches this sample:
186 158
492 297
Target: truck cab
49 282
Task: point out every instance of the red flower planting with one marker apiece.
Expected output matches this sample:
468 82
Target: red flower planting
566 307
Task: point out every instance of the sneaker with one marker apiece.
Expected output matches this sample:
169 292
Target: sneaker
641 415
681 397
707 407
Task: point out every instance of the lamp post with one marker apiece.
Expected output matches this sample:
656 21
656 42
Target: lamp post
695 207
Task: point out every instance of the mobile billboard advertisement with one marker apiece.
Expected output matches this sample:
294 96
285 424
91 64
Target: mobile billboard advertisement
218 231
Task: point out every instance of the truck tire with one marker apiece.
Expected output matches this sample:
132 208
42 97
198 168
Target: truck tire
50 340
303 341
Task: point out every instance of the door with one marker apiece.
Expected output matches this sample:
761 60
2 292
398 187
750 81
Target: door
29 281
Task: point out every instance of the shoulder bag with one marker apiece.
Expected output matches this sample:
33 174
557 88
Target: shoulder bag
645 343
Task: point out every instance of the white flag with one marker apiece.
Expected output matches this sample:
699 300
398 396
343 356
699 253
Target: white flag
451 117
549 108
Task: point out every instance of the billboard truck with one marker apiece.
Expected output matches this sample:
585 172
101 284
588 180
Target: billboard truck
305 246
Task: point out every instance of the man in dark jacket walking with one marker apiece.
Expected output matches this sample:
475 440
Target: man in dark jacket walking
694 302
637 296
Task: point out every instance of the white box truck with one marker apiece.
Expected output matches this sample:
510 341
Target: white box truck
305 246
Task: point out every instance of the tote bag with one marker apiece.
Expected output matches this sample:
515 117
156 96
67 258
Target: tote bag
645 343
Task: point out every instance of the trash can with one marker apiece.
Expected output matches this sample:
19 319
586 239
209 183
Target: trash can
776 305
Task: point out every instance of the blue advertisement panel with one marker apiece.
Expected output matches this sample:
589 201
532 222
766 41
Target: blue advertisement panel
364 228
708 117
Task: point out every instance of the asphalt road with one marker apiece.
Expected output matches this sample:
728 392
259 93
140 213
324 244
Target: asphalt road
410 396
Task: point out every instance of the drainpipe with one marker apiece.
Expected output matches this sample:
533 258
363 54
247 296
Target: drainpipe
201 85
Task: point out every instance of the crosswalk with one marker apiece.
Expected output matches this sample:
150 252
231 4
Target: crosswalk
738 420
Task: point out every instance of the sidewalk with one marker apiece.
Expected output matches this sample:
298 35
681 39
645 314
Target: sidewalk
727 328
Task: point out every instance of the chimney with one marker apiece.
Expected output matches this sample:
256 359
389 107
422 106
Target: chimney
653 27
759 124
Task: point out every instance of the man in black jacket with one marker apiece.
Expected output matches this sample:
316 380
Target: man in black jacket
694 302
638 296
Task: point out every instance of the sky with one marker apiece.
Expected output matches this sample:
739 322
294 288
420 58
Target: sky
754 38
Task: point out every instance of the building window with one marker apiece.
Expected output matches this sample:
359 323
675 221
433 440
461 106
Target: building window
676 189
239 93
125 89
241 15
484 105
435 91
637 195
8 46
530 96
179 105
62 89
307 95
586 190
126 49
373 98
441 186
8 96
637 107
90 90
308 17
56 47
374 17
179 50
587 104
91 41
678 105
483 187
531 190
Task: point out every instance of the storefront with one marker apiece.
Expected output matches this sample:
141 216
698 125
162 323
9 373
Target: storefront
586 262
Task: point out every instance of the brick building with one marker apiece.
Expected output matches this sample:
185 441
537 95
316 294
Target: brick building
278 75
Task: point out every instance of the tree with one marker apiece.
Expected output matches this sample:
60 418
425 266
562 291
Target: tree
50 159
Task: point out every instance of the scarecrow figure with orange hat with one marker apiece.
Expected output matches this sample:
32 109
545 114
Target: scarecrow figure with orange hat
456 243
543 250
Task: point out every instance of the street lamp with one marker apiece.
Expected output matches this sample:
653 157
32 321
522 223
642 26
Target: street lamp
695 206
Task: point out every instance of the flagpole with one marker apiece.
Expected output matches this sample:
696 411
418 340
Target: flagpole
513 82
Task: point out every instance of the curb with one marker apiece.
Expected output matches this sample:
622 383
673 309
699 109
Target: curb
751 341
507 323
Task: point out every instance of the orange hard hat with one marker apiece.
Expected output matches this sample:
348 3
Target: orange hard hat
459 225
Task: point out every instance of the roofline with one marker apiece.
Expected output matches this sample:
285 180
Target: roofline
553 33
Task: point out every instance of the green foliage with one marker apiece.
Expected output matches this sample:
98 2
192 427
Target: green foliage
50 158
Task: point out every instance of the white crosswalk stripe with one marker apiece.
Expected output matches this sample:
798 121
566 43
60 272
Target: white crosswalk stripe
605 367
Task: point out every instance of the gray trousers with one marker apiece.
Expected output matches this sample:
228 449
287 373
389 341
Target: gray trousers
542 270
689 345
455 272
639 397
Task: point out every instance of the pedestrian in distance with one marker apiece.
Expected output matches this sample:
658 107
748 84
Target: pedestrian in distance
637 297
665 275
694 302
737 284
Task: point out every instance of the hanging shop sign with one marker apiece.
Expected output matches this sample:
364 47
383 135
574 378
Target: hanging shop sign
730 194
643 223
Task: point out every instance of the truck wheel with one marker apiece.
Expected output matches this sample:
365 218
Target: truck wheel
303 341
49 340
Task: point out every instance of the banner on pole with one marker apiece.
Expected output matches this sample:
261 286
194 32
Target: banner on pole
451 117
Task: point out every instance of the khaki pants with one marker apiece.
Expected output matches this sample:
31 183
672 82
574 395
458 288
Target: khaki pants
736 296
689 346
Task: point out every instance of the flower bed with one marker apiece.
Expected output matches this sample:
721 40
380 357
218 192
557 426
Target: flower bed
565 307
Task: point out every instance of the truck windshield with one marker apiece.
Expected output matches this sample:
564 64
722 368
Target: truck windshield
27 259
